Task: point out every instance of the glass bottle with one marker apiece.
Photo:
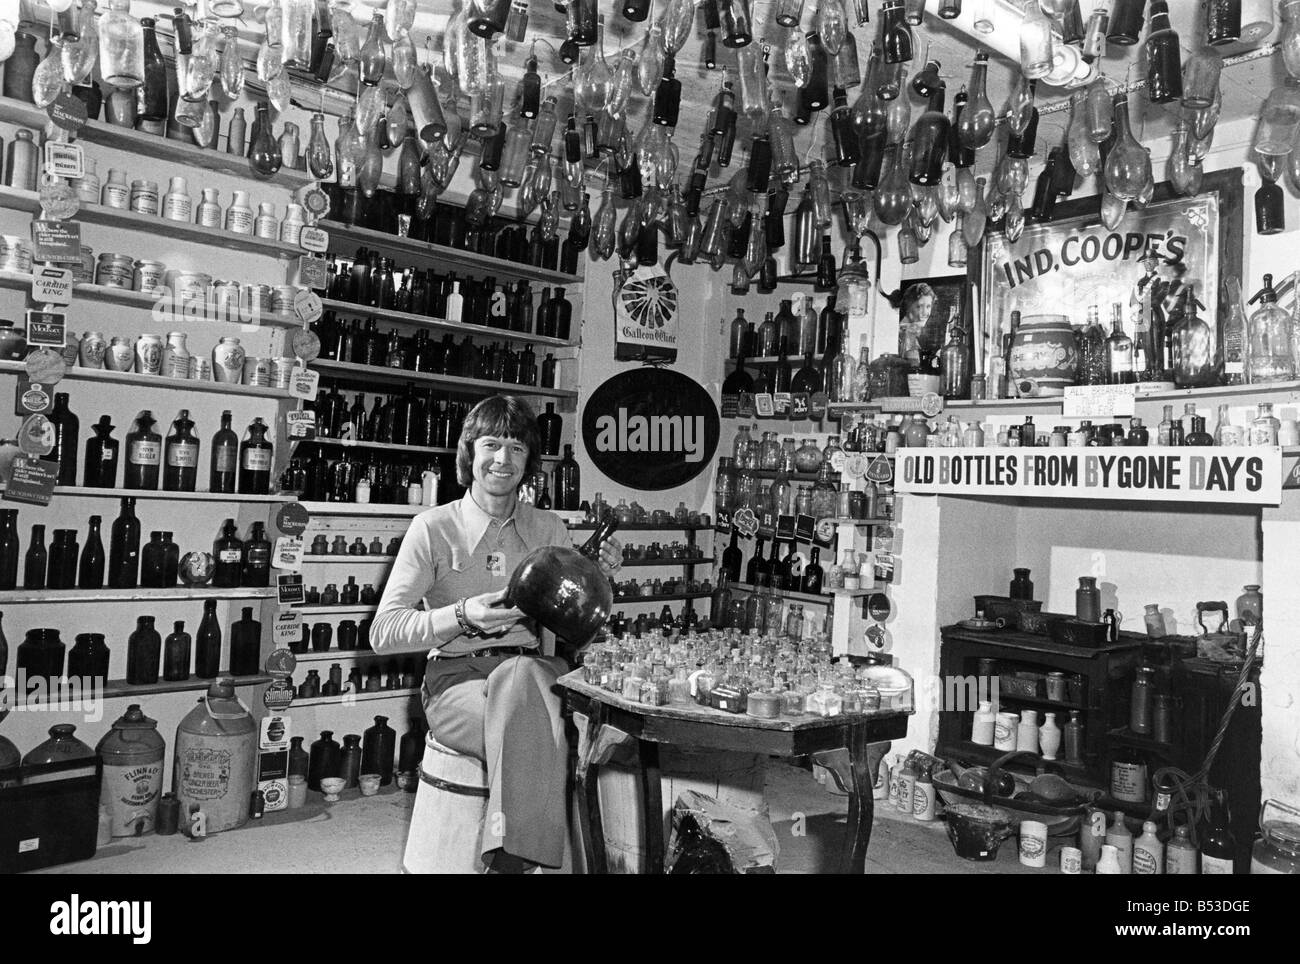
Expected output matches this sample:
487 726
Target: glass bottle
90 570
152 561
143 653
1218 845
255 459
101 456
207 643
176 654
566 482
1036 41
121 47
1270 355
245 644
143 454
256 568
1164 59
930 142
1128 166
228 556
35 561
180 473
124 548
66 429
152 105
1119 350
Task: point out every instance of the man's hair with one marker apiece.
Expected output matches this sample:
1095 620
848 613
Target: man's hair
914 294
503 416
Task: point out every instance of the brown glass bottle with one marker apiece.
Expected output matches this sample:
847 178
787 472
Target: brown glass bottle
228 553
124 548
181 456
567 482
66 429
549 426
255 458
35 561
207 643
225 458
101 456
176 654
143 454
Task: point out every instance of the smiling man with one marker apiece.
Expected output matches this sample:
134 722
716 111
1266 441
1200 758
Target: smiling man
488 688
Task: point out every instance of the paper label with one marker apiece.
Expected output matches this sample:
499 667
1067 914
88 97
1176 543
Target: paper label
32 481
804 528
286 629
291 519
290 589
316 240
36 436
144 452
57 241
64 160
46 329
32 398
229 555
763 405
303 384
257 460
68 112
307 306
51 286
288 553
781 403
300 424
312 272
1098 401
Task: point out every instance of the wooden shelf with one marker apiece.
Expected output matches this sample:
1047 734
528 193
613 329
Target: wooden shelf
178 594
442 324
90 492
438 254
773 360
634 563
15 199
1126 737
21 281
152 145
768 475
647 526
336 610
821 599
471 386
323 558
862 522
350 443
675 597
981 754
355 698
334 655
155 381
358 508
121 689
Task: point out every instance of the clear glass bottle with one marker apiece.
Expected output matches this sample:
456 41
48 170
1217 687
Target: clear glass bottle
1036 41
1270 355
121 46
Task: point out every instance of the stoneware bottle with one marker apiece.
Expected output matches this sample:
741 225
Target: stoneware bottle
1049 736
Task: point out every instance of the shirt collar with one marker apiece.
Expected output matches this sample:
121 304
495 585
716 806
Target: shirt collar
476 522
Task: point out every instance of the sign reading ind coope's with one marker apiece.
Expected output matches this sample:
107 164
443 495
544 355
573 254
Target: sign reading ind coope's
651 429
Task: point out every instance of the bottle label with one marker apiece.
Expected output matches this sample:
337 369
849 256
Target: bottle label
116 195
177 207
229 555
145 453
1215 865
183 455
239 221
1128 781
1145 861
257 460
225 459
259 557
210 215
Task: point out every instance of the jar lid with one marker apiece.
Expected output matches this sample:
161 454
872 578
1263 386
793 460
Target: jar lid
1284 835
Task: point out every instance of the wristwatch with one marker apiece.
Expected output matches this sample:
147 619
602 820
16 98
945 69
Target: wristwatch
466 627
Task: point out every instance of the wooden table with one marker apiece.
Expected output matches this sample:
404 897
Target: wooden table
706 728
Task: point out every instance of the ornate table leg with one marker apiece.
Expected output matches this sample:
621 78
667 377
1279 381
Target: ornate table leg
588 792
653 797
853 859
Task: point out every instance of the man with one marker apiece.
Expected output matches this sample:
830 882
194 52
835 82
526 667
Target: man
488 689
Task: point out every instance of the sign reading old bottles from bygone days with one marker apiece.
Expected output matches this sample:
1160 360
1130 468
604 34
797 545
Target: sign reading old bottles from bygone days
1240 476
651 428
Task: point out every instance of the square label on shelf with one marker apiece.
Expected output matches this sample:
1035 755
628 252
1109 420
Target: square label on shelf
288 553
804 528
57 241
303 383
32 398
287 628
785 527
32 481
290 589
64 160
300 424
46 329
51 285
312 272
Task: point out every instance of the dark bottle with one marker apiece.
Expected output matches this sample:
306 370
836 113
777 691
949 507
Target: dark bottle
825 266
1270 209
1125 22
1164 59
844 138
409 751
1222 22
181 458
171 560
323 760
207 644
668 98
176 654
257 558
299 761
225 458
101 456
90 571
731 557
1198 435
562 315
1137 433
1218 845
34 563
152 100
255 457
124 548
930 142
792 567
322 634
143 653
550 372
143 454
66 429
781 370
812 573
549 426
350 756
775 570
245 645
228 552
88 658
58 558
567 483
378 746
152 562
756 571
815 94
807 380
1022 587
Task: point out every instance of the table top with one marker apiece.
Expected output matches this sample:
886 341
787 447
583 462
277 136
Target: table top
708 716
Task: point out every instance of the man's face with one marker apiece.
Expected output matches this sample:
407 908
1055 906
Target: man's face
499 463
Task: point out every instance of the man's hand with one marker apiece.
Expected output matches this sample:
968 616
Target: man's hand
611 555
489 613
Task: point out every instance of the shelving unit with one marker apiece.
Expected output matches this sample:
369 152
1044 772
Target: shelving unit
442 324
335 655
349 559
674 597
13 597
437 254
156 381
91 492
820 599
336 610
15 199
121 689
372 374
646 527
350 443
14 111
362 508
679 563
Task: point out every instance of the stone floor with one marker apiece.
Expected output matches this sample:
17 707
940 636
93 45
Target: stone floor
367 835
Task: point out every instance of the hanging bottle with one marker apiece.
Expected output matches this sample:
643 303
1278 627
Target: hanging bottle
1164 58
977 120
153 102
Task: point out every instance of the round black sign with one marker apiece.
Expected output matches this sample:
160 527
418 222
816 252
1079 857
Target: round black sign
651 428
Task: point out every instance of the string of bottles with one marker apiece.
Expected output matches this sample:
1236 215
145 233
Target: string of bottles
64 564
41 655
233 466
371 280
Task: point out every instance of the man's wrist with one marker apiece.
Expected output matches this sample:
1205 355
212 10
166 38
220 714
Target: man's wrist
466 627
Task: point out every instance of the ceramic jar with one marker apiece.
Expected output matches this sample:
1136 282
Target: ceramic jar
1004 731
92 348
20 67
982 729
1027 732
1044 358
1049 736
228 361
149 355
176 356
13 346
1087 600
120 356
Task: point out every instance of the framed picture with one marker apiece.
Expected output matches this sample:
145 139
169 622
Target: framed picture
924 307
1075 266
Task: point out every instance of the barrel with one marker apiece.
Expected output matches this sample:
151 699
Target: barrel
215 757
1044 359
133 754
446 831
